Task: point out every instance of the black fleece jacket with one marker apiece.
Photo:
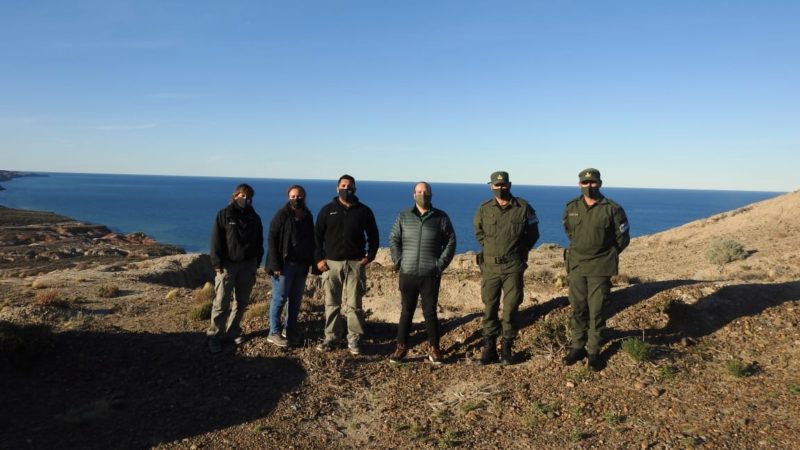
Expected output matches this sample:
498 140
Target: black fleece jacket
346 233
237 235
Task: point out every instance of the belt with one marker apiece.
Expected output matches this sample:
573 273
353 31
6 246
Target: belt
504 259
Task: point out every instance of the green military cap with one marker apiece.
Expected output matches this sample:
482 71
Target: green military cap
589 175
499 177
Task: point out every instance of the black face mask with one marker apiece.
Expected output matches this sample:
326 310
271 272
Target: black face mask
297 203
345 195
502 194
592 192
242 202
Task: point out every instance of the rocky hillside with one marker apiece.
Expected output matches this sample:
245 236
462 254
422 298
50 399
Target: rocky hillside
107 351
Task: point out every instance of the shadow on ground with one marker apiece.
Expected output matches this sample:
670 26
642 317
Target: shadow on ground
132 391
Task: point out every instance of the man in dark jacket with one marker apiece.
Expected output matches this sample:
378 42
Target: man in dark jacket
598 232
291 253
422 242
506 227
346 241
237 246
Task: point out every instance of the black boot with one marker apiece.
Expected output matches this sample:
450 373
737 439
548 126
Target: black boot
506 352
593 362
489 354
574 355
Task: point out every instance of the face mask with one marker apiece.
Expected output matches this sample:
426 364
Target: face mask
502 194
297 203
345 194
591 191
242 202
422 200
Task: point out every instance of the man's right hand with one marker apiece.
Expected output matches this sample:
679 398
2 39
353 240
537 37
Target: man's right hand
323 266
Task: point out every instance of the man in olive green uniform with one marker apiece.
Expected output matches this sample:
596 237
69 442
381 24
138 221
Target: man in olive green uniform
506 227
598 232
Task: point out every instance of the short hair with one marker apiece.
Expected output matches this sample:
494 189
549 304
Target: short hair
246 189
346 177
298 187
427 186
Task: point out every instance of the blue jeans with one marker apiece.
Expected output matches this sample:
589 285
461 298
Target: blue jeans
288 287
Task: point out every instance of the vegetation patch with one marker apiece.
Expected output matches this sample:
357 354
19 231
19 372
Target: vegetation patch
200 312
740 369
257 310
50 298
637 349
108 291
722 251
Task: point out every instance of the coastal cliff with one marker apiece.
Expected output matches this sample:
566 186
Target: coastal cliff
721 369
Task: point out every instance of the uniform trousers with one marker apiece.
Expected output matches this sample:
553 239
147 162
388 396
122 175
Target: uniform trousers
587 296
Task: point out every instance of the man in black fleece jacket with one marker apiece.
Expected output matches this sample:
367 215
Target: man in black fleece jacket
236 249
346 237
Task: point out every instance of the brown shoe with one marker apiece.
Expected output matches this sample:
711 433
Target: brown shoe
399 354
435 356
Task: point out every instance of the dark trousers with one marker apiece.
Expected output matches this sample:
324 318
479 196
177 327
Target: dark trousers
587 296
492 286
413 287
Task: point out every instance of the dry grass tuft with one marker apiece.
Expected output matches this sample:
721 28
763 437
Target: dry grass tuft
108 291
50 298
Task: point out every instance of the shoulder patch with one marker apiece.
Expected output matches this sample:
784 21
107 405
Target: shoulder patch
533 219
624 227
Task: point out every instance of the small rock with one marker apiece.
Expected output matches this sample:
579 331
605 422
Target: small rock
570 384
656 392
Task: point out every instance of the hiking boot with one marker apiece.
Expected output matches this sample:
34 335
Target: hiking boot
214 345
278 340
284 334
399 354
593 362
354 347
506 352
435 356
574 355
326 346
489 354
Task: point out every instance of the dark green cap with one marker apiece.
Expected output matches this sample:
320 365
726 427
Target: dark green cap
499 177
589 175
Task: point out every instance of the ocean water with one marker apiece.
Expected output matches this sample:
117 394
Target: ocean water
180 210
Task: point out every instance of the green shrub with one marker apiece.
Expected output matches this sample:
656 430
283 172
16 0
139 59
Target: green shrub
201 312
667 373
739 369
721 251
637 349
794 388
108 291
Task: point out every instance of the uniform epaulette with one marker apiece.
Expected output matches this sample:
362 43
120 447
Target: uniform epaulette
487 202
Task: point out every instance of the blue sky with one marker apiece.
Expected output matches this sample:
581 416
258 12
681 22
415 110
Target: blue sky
677 94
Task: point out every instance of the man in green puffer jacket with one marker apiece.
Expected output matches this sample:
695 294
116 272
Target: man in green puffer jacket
422 242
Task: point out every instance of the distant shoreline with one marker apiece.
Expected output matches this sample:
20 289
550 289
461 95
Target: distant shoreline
8 175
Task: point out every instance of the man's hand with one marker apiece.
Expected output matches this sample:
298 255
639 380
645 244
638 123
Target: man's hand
364 261
323 265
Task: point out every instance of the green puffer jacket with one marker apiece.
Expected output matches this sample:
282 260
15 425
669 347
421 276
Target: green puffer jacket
422 245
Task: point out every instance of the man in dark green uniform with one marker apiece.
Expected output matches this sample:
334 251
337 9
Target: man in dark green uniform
506 227
598 232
